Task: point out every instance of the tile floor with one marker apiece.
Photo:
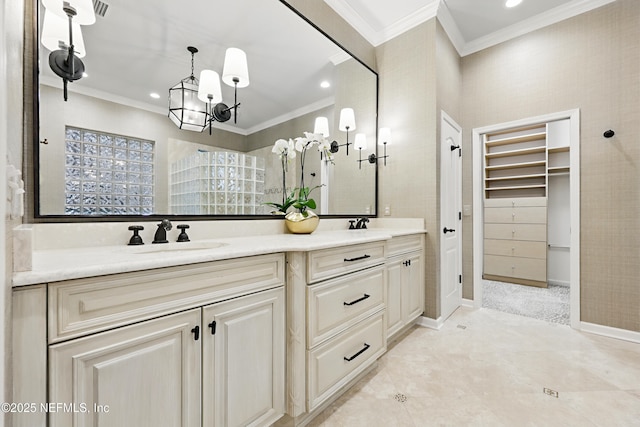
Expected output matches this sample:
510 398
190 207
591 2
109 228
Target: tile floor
488 368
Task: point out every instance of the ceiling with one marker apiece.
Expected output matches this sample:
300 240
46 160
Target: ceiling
472 25
140 47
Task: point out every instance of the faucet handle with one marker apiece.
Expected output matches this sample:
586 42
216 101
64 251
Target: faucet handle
136 239
182 237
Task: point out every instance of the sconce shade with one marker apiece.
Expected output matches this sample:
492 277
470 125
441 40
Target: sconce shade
235 67
384 136
321 126
347 120
84 10
210 86
361 142
55 34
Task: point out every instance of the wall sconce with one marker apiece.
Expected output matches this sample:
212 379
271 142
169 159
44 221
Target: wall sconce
384 138
347 124
235 73
360 144
210 92
186 109
55 34
64 61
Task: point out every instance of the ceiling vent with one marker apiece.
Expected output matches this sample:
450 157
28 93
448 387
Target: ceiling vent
100 8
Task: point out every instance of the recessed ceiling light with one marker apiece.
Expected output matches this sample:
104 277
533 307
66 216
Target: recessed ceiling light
325 84
512 3
154 95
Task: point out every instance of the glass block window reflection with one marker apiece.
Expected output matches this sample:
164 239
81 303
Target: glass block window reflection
107 174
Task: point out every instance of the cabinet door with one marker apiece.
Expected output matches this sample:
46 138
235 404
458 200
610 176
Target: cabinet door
243 360
395 269
147 374
413 287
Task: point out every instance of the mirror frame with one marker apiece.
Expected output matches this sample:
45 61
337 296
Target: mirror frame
31 139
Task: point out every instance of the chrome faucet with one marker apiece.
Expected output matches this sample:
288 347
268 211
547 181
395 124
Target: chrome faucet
161 232
362 223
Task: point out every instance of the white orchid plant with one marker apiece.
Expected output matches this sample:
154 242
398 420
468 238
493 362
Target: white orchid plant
286 151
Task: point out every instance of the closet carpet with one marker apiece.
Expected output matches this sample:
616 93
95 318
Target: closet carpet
550 304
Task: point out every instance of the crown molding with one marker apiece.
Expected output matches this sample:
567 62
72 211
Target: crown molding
377 38
451 28
555 15
323 103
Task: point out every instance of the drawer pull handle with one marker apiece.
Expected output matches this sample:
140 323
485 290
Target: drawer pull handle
366 347
357 258
358 300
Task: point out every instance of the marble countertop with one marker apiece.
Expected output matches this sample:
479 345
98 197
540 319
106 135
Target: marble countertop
72 263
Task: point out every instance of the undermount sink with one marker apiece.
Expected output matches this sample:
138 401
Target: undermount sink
177 247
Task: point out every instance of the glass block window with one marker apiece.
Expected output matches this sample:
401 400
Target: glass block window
108 174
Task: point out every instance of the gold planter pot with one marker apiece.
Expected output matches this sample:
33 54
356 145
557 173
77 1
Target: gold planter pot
299 224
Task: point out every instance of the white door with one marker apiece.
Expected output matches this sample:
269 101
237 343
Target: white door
450 216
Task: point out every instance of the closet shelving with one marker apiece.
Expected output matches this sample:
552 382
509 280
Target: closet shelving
515 164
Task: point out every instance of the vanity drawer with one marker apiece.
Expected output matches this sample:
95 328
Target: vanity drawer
337 304
532 232
83 306
517 248
333 364
522 268
525 215
404 244
327 263
515 202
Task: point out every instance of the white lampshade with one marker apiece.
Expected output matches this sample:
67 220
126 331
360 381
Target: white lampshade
384 136
209 86
347 120
84 10
55 34
361 142
235 66
321 126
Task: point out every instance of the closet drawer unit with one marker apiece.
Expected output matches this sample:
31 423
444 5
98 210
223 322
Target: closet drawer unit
337 304
524 215
327 263
336 362
523 268
404 244
517 248
530 232
515 202
83 306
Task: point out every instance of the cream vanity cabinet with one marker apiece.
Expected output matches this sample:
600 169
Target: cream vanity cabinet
194 345
338 294
405 282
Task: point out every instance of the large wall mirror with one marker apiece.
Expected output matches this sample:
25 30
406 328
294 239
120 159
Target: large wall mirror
111 149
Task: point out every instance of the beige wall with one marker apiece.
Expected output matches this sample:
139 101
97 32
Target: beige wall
590 62
408 185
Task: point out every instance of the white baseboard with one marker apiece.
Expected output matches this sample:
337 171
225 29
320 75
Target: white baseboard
608 331
428 322
564 283
469 303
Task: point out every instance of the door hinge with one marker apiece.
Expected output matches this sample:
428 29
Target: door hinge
460 152
459 216
460 278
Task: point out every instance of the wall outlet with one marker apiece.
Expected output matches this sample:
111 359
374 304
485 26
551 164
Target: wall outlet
387 210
